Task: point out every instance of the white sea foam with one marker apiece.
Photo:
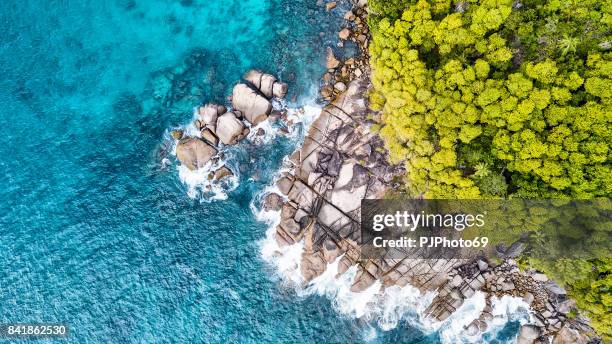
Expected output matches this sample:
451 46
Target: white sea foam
452 329
298 120
201 186
506 309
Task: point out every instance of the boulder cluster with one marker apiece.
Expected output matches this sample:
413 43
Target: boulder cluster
216 125
340 73
548 300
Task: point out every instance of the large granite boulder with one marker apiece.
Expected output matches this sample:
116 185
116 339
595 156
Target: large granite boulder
194 153
209 113
229 128
251 104
266 83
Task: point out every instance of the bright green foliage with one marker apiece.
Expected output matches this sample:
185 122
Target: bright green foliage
481 99
452 82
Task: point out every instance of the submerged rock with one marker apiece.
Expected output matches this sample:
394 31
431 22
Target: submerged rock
252 105
229 128
222 172
194 153
176 134
272 202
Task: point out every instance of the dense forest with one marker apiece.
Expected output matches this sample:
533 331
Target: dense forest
502 99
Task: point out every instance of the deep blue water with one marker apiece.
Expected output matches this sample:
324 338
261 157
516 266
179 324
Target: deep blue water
93 233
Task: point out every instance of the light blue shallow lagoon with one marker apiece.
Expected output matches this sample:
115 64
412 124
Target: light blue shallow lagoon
94 233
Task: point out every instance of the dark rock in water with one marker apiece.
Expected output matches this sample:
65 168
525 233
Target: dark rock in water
127 4
261 132
127 104
273 202
176 134
223 172
253 106
194 153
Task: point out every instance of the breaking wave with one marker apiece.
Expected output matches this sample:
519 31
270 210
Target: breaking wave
200 184
383 309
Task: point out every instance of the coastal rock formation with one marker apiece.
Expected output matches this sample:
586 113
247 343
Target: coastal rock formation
332 61
230 129
528 334
216 124
251 104
209 135
337 166
340 73
341 162
194 153
177 134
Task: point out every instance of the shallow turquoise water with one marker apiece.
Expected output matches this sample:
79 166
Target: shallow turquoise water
93 233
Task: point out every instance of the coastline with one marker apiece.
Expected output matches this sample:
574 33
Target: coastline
342 161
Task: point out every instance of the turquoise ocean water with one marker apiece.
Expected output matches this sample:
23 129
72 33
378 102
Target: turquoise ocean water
93 232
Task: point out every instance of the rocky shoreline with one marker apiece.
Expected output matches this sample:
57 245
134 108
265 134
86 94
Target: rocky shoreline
342 161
